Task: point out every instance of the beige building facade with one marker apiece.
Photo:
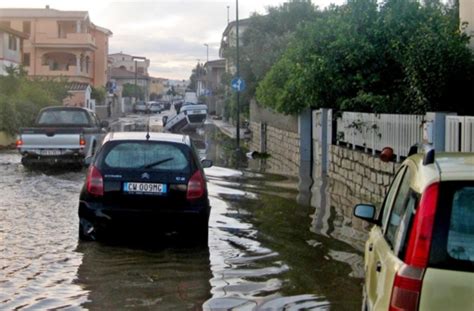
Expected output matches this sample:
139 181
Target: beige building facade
128 62
11 48
466 15
61 43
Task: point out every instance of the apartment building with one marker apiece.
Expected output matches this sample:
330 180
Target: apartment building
11 47
128 62
61 43
466 15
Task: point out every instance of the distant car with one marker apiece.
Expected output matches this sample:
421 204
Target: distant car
420 253
134 182
155 107
140 106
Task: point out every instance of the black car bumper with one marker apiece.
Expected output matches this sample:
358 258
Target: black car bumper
106 218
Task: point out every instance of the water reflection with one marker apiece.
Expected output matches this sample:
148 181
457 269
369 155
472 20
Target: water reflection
151 277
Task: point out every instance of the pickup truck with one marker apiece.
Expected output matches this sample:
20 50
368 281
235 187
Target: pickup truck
61 135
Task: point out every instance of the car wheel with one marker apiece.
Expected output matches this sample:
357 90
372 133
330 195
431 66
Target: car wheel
86 231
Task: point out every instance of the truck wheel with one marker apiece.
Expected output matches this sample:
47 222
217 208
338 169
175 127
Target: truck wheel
26 162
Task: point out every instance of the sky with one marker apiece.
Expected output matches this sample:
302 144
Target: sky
171 33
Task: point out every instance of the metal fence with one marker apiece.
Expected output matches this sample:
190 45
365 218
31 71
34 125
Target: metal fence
459 134
376 131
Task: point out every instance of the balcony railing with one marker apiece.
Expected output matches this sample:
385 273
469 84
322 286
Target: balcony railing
63 70
71 39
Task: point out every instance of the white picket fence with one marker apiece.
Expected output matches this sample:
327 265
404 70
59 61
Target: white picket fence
376 131
459 134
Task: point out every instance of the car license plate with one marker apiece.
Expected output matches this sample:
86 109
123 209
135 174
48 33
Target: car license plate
144 188
50 152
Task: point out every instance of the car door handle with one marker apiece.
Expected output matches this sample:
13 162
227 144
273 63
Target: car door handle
378 266
371 247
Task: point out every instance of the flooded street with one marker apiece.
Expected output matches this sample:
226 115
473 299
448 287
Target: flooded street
263 253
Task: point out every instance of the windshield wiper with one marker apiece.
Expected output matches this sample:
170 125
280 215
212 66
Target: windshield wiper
157 163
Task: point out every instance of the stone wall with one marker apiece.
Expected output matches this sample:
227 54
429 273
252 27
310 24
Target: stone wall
282 146
277 135
353 177
364 177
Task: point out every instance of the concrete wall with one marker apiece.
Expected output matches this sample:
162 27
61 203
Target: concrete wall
6 140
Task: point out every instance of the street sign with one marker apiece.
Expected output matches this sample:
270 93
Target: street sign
238 84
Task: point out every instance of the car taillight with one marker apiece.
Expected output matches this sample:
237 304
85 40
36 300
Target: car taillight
94 181
419 244
408 280
196 186
19 143
406 288
82 141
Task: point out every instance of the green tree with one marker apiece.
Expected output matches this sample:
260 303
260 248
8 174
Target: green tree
132 90
399 56
99 94
21 98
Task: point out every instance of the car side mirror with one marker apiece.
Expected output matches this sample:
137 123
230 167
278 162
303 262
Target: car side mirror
365 212
104 124
206 163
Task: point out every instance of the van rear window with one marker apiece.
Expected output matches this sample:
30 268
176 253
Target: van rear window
453 237
146 155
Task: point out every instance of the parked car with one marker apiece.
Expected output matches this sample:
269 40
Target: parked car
420 253
155 107
140 106
139 182
61 135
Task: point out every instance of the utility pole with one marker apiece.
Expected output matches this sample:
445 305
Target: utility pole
207 70
136 78
228 20
238 73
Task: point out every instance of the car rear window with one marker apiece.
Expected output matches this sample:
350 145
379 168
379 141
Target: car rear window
146 155
453 239
73 117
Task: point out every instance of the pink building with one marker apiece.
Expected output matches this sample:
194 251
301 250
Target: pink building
61 43
11 47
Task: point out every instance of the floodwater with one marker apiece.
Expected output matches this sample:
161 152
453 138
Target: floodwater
263 252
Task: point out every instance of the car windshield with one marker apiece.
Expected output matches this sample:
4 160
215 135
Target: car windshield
147 155
75 117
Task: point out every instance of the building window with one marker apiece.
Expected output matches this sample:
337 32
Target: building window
26 59
12 42
87 63
27 27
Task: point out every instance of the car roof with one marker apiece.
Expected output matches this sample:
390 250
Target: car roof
66 108
154 136
448 166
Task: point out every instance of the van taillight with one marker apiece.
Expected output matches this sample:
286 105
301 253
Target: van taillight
406 288
408 280
196 186
94 181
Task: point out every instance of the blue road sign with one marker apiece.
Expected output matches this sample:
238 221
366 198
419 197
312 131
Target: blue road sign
238 84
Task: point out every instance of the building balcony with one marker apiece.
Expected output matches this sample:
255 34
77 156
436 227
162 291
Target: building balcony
70 40
62 70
